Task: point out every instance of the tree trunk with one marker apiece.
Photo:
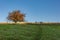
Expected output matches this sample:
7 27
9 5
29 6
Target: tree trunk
15 22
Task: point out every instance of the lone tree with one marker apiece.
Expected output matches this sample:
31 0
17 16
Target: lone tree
16 16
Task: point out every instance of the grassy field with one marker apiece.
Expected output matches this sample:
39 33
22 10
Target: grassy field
30 32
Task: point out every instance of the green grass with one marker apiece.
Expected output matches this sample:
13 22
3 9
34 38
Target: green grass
30 32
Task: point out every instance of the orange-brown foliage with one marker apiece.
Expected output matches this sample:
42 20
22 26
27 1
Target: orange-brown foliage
16 16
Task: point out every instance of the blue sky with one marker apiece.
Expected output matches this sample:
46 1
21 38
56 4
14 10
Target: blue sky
35 10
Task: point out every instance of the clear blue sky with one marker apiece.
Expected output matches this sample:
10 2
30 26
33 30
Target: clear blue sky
35 10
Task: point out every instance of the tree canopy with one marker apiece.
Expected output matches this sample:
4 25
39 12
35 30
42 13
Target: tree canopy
16 16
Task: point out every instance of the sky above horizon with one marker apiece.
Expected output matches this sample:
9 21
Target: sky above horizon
35 10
